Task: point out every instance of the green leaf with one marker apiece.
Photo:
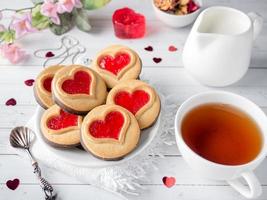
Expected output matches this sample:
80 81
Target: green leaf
8 36
39 21
82 20
65 24
94 4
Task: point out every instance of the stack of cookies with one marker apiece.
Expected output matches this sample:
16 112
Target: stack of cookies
103 107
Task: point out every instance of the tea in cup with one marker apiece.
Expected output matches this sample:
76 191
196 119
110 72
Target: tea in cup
222 136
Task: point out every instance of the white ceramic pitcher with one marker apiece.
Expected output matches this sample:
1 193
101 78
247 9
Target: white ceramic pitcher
218 49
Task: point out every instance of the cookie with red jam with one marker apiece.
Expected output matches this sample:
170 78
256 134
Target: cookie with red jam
110 132
42 86
139 98
78 89
117 63
59 128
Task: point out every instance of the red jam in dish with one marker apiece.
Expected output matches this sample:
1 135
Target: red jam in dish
79 85
114 65
109 128
128 24
47 83
63 120
132 102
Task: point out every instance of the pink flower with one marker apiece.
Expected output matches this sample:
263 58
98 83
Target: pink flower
2 28
23 25
1 15
68 5
49 9
12 52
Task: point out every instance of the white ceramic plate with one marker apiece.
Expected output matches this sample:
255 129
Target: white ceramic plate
79 157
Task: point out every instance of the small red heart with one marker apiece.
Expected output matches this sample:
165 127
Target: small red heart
12 184
29 82
11 102
79 85
109 128
63 120
132 102
168 181
149 48
157 60
49 54
114 64
172 48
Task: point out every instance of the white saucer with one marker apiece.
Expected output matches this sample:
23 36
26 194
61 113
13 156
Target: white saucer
79 157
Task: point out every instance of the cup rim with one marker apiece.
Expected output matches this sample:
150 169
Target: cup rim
178 135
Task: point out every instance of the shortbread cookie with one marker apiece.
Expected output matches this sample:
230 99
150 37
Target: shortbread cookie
110 132
42 86
139 98
59 128
78 89
117 63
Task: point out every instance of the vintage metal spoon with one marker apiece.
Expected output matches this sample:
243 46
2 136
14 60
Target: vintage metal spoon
21 137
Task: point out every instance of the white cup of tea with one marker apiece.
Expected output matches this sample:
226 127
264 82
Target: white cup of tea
217 171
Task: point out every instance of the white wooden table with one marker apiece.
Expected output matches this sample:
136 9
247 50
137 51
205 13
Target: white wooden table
169 73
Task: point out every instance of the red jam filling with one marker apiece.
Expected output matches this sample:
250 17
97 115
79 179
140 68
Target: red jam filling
79 85
132 102
109 128
63 120
47 83
128 24
114 65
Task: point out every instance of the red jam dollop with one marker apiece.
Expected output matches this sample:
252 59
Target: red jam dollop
47 83
109 128
114 64
128 24
132 102
63 120
79 85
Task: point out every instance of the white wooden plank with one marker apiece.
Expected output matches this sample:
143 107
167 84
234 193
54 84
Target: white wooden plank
168 166
85 192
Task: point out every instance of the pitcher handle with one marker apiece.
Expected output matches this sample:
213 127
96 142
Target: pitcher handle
257 22
253 188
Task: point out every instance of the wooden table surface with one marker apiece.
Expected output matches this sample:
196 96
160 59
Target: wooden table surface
169 73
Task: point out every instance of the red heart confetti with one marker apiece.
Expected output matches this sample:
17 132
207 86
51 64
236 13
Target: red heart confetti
157 60
12 184
172 48
168 181
11 102
49 54
149 48
29 82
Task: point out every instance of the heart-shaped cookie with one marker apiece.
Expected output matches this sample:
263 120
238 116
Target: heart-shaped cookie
42 86
110 127
109 132
137 97
133 101
59 128
114 64
80 84
117 63
63 120
78 89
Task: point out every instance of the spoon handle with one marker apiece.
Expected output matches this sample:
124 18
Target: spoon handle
45 185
